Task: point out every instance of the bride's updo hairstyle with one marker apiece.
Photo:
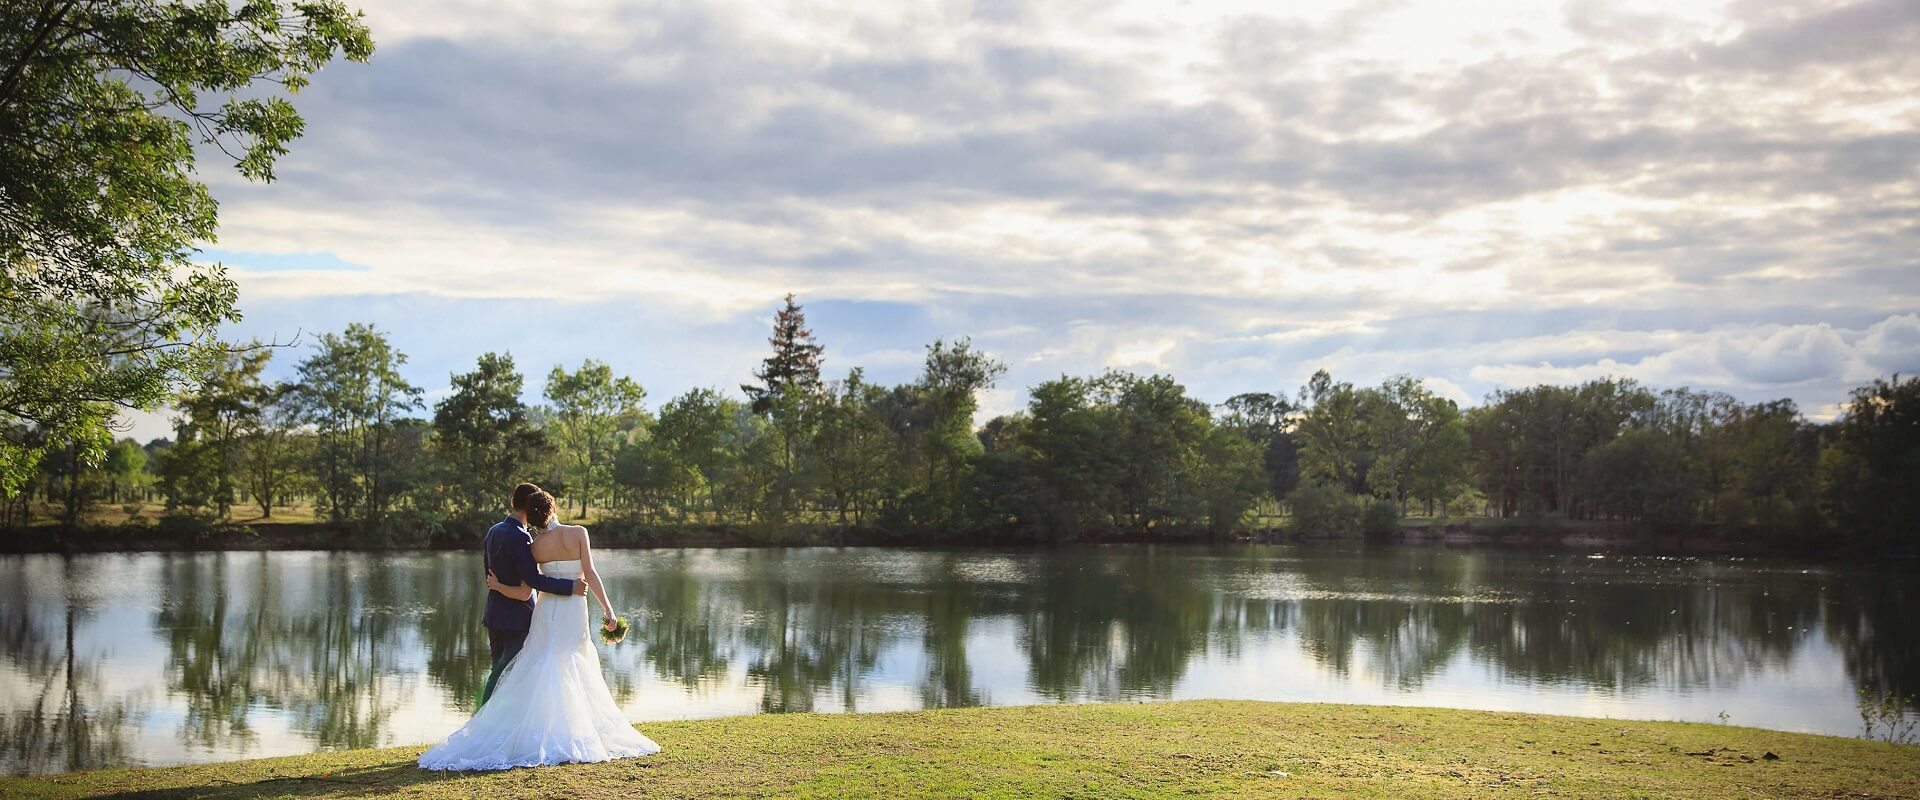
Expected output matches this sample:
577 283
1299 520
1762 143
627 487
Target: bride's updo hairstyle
539 510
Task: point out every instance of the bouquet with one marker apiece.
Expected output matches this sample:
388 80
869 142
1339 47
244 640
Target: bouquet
613 630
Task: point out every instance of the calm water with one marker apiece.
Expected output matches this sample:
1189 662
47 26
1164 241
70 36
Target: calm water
161 659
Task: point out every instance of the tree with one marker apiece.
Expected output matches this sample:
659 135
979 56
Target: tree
1126 451
190 473
1333 443
788 395
794 363
1869 472
222 408
1417 443
750 474
1547 446
853 446
587 409
101 105
1643 475
126 470
1391 427
483 434
1531 443
1159 430
953 377
1443 454
1775 459
1267 421
1228 477
690 439
1075 460
1007 481
79 486
272 451
1325 511
1493 433
351 392
907 410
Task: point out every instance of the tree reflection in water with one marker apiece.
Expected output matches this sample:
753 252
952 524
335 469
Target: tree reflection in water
312 641
227 655
62 715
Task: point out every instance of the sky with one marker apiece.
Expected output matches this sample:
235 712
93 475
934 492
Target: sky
1720 195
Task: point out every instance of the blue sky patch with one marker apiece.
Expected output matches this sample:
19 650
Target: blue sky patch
276 262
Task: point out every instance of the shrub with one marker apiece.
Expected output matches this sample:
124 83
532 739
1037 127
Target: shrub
1380 518
409 528
1323 511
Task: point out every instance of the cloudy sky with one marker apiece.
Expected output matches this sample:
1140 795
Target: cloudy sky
1724 195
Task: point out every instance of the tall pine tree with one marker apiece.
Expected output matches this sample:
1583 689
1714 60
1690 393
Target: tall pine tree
795 362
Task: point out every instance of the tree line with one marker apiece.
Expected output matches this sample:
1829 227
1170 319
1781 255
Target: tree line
1115 454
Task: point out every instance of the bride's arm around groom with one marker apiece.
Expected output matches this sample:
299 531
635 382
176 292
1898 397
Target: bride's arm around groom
581 543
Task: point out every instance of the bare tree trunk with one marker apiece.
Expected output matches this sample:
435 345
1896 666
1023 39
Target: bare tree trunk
73 485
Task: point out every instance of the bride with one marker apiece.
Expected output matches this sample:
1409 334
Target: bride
551 706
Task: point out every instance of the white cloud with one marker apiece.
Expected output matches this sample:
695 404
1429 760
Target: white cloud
1448 389
1893 344
895 357
1767 357
998 402
144 426
1141 353
1784 355
1716 193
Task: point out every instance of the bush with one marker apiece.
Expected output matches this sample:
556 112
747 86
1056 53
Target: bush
184 525
409 528
1380 518
1324 511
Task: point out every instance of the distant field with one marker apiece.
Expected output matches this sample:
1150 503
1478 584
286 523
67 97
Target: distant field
113 514
104 514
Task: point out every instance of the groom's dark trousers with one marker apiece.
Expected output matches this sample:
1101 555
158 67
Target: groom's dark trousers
505 645
508 552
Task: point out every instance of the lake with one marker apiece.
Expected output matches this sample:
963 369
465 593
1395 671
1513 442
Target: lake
158 659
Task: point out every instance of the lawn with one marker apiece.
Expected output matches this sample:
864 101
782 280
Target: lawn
1183 749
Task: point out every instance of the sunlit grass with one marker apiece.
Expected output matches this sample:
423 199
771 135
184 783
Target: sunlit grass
106 514
1196 748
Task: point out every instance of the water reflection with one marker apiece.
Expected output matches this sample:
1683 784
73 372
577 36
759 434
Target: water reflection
59 713
166 658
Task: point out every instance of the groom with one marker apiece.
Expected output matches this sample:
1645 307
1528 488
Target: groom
508 554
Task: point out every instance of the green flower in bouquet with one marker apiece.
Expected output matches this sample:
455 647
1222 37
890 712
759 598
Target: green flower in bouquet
614 630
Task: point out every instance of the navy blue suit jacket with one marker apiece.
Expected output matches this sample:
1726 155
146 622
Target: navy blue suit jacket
509 553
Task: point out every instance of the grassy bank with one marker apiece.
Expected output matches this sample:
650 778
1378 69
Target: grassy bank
1196 748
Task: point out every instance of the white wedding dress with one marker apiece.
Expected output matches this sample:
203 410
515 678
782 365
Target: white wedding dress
550 706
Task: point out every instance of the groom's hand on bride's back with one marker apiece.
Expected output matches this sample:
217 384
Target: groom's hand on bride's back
579 588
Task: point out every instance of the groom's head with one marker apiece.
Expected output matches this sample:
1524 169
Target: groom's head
521 494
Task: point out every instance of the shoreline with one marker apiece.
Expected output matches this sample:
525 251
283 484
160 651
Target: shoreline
1485 533
1154 749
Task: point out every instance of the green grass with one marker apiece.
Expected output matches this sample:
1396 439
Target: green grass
1185 749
